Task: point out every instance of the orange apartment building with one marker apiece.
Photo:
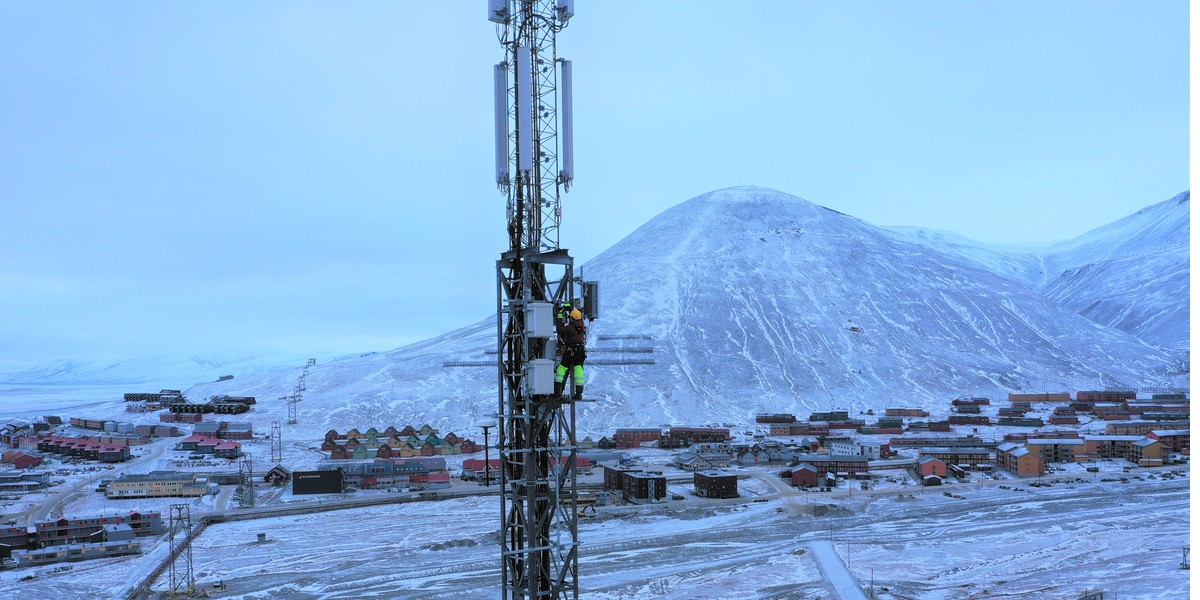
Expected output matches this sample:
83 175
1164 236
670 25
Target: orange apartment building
1019 460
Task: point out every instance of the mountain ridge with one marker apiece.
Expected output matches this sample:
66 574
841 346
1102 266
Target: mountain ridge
756 301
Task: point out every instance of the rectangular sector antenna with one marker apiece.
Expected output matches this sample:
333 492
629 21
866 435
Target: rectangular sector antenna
498 11
566 10
524 110
501 123
567 172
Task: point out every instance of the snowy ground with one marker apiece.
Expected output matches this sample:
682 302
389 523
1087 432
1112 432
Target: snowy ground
981 541
1031 542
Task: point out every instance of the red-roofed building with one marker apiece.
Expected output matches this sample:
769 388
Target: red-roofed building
21 460
111 454
227 449
437 481
805 475
190 442
473 468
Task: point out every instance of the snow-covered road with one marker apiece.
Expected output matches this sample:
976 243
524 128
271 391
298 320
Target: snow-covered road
835 571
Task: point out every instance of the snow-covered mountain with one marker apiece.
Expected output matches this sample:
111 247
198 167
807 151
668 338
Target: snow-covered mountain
759 301
1132 274
754 300
168 370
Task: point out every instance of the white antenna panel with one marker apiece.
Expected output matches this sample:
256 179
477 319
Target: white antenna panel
566 10
501 76
498 11
524 110
567 170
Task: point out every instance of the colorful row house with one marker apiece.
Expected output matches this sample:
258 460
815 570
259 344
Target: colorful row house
407 432
376 445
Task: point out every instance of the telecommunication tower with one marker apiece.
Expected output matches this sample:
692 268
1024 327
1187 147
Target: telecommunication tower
534 163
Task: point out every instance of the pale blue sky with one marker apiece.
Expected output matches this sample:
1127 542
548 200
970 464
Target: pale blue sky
231 177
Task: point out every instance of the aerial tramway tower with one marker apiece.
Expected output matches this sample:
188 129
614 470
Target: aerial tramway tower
539 528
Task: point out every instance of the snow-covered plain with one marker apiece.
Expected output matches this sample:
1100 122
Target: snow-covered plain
1037 543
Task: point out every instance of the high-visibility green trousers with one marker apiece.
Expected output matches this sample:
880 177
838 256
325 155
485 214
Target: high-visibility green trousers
560 374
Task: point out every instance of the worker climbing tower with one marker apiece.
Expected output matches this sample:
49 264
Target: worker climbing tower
535 276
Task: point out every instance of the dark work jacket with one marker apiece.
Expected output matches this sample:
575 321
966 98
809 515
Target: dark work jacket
573 333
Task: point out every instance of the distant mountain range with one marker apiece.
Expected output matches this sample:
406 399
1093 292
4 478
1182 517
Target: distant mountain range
752 300
1132 274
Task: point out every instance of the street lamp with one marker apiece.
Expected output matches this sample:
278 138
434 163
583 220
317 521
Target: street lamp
487 461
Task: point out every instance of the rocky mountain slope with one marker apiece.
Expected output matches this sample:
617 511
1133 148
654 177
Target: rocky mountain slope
758 301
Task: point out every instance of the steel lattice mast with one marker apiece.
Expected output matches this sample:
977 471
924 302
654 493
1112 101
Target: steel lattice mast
539 520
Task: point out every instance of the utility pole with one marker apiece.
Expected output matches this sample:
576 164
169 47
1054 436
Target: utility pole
276 443
487 460
183 577
539 543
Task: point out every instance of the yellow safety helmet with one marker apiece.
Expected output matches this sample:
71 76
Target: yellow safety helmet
575 314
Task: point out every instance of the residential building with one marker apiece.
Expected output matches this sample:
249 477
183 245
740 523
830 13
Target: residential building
278 475
872 451
929 465
1058 450
75 552
1111 446
715 484
614 477
1141 427
836 415
1175 440
805 475
474 469
23 481
89 529
683 437
156 484
643 487
705 456
1040 397
969 441
21 460
1105 396
1148 452
970 402
840 465
633 438
776 418
905 412
969 420
964 458
1019 460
